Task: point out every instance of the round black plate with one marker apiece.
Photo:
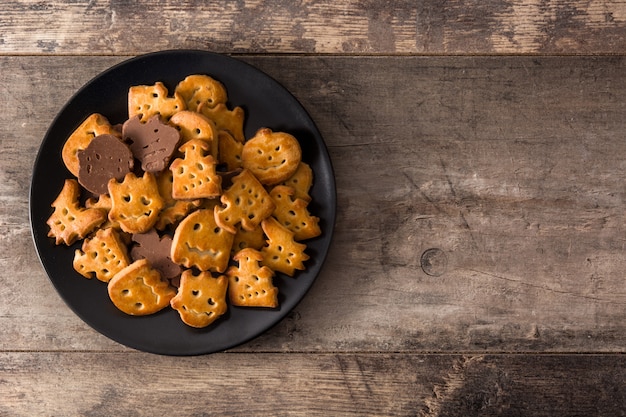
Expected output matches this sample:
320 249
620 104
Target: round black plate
266 104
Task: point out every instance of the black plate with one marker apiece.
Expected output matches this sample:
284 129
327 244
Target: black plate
267 104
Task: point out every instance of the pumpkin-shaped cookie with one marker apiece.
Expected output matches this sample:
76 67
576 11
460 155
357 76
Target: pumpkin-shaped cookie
271 156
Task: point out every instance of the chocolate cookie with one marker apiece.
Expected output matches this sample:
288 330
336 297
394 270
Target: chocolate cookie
104 158
152 143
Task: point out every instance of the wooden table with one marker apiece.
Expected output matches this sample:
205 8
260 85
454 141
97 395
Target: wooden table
478 263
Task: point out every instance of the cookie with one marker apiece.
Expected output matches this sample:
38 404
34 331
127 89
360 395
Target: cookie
271 156
139 290
146 101
229 150
135 202
199 242
94 125
301 181
201 90
104 158
201 299
157 250
195 176
282 253
173 210
104 255
246 202
225 119
192 125
249 283
293 213
153 143
254 239
69 221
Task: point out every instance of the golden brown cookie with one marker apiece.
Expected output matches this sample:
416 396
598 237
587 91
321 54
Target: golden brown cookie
195 175
104 255
250 284
69 221
201 299
254 239
199 242
192 125
135 202
293 213
271 156
139 290
282 253
94 125
229 150
246 202
173 210
150 100
301 181
225 119
201 89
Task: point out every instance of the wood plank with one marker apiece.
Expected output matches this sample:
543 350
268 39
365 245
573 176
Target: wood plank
511 167
97 384
321 26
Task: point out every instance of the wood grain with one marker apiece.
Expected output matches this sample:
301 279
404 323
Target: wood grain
99 385
317 26
510 167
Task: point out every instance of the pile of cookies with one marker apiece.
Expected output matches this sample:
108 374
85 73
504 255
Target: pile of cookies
175 207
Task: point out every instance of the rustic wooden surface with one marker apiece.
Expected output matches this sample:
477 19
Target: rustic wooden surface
478 262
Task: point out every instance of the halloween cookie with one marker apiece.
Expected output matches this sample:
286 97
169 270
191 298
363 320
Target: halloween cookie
69 221
271 156
201 299
139 290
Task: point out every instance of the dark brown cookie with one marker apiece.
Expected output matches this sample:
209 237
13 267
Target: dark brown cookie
157 250
104 158
152 143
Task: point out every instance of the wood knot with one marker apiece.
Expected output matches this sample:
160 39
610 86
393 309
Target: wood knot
434 262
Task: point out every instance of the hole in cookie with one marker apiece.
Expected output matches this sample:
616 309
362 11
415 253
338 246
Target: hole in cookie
195 293
217 230
127 198
197 226
138 306
277 149
210 301
198 131
125 292
145 201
